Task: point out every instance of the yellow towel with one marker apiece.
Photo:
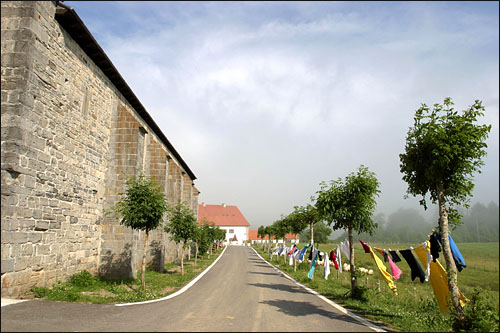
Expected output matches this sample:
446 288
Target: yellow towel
383 270
438 279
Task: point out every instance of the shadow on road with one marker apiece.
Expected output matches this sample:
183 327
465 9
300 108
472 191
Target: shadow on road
284 287
296 309
274 274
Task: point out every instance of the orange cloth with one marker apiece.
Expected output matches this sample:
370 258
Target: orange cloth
438 279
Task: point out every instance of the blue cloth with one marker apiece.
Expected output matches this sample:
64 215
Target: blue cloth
457 256
313 264
302 253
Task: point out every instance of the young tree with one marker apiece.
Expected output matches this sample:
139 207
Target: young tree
281 229
297 224
270 233
349 205
197 239
261 233
321 233
182 225
141 207
307 215
443 150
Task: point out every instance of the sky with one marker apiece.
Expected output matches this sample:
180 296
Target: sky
265 100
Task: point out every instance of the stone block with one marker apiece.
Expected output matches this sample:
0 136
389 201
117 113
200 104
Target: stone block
7 266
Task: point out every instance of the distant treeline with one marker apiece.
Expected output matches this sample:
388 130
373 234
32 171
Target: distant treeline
480 223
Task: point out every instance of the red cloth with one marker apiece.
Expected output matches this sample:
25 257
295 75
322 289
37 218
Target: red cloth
366 247
291 250
334 259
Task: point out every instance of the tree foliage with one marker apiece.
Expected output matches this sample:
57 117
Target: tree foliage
444 149
350 203
141 207
321 233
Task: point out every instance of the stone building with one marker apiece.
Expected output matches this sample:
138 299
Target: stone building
72 132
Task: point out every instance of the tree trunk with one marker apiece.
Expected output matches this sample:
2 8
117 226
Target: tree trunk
143 276
295 257
182 260
451 268
196 253
312 232
189 253
351 261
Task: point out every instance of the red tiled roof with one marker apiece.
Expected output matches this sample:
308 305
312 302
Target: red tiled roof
252 235
222 215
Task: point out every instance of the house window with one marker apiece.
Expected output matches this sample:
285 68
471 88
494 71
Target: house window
231 231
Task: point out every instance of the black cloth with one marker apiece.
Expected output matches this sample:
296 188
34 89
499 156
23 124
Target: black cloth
395 256
435 247
311 253
320 257
416 270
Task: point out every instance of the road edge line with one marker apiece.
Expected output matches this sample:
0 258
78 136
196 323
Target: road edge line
335 305
183 289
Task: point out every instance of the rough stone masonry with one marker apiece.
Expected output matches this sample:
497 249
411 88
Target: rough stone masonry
72 132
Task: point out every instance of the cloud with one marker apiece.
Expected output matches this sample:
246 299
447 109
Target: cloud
265 100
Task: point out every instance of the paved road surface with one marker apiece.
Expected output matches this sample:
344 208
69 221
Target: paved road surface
240 293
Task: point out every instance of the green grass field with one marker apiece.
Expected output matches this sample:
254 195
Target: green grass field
415 308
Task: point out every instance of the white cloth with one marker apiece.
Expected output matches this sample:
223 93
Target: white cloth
290 260
429 258
276 251
339 259
344 246
327 265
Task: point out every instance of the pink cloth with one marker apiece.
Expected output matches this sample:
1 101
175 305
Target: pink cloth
396 272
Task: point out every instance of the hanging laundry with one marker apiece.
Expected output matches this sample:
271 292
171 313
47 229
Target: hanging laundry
326 266
366 247
292 249
438 279
416 270
396 272
276 251
344 246
313 264
435 247
457 256
334 259
394 256
311 253
290 260
381 267
339 259
320 256
382 252
303 252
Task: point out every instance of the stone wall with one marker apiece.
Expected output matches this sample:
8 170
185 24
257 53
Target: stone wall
69 140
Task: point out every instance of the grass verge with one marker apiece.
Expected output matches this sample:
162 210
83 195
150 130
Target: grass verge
414 309
85 288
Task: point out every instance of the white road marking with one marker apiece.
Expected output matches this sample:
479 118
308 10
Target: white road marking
9 301
335 305
183 289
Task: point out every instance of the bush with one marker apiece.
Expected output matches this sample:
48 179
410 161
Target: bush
82 279
40 292
480 313
358 293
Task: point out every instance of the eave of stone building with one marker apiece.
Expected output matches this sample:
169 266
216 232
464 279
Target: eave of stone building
74 26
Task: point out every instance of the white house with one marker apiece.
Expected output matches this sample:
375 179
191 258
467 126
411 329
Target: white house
228 218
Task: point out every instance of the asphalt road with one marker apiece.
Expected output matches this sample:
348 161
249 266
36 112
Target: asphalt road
240 293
